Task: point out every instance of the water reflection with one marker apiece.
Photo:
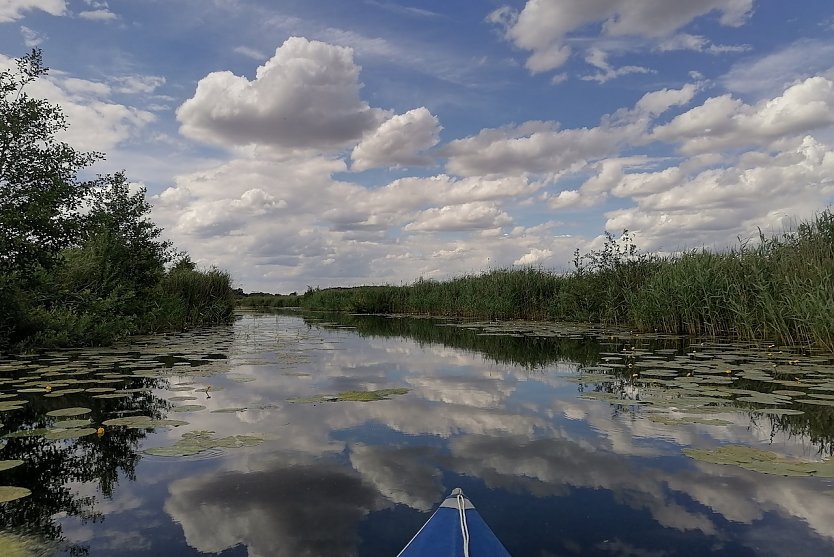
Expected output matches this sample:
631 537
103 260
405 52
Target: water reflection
503 415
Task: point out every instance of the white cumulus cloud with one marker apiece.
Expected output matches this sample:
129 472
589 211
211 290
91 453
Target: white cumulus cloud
727 122
305 97
399 141
12 10
543 26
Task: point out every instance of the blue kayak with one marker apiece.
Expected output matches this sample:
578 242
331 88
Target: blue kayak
455 530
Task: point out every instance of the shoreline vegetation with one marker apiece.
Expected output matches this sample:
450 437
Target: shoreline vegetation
780 289
81 263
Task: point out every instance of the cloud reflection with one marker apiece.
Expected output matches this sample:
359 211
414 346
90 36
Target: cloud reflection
281 512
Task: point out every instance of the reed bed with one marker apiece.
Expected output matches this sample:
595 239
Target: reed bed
781 288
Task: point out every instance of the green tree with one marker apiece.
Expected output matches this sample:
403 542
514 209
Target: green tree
80 260
40 192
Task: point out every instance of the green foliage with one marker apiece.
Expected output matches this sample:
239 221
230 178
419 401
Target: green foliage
781 288
80 261
39 190
262 300
187 298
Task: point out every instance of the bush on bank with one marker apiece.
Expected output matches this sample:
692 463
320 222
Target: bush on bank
81 262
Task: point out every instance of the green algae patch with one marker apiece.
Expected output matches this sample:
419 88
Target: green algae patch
11 493
69 412
9 464
353 396
765 462
196 442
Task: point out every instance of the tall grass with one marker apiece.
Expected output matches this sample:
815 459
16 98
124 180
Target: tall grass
189 298
56 316
781 288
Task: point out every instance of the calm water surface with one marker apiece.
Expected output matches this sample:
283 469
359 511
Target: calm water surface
569 442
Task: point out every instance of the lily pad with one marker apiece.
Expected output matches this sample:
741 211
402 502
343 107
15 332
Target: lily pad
188 408
9 464
142 422
14 545
67 412
196 442
758 460
69 424
72 433
62 392
27 433
818 402
780 411
668 420
10 493
9 405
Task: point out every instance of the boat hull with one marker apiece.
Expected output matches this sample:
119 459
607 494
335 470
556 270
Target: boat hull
442 535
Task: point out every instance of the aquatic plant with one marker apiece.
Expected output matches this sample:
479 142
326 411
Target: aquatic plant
779 288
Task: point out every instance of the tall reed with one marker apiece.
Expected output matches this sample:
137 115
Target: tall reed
780 288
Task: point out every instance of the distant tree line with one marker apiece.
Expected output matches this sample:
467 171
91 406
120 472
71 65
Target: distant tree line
81 262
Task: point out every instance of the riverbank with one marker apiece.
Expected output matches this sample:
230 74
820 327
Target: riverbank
59 312
781 288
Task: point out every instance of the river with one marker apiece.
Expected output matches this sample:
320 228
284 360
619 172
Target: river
304 435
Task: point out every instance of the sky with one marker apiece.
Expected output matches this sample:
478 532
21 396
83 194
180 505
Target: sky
316 143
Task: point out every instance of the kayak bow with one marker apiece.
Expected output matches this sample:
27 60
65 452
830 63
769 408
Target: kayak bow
455 530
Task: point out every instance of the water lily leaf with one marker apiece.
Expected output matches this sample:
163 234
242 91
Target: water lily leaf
353 396
196 442
67 412
780 411
68 424
668 420
818 402
142 422
71 433
9 464
10 493
62 392
8 405
758 460
188 408
14 545
27 433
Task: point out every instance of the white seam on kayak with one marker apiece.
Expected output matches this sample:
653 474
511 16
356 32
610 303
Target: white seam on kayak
464 528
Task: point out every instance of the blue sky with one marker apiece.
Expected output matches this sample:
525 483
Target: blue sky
319 143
